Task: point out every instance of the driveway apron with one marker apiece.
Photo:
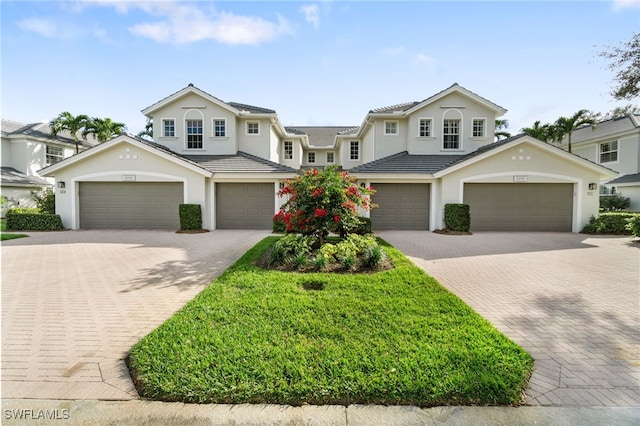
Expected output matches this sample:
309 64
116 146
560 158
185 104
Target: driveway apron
75 302
571 300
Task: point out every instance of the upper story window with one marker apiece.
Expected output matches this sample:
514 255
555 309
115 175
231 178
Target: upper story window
354 150
194 134
330 158
479 127
311 157
609 152
425 128
54 154
168 127
390 127
288 150
219 127
253 128
451 134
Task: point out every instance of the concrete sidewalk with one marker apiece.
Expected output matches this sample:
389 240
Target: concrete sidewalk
140 413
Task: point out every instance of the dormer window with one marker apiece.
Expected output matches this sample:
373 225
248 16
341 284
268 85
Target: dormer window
451 134
194 134
425 128
479 127
219 127
169 127
253 128
390 127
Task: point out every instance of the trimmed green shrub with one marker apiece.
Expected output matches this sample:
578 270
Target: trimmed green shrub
613 223
45 201
17 221
24 210
615 202
457 217
633 225
190 217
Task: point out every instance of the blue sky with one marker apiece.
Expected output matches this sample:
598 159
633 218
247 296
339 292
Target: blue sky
315 63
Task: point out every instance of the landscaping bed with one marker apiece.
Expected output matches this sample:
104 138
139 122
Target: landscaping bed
391 337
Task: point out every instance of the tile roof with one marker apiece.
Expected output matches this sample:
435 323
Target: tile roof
13 177
632 178
397 107
604 129
240 162
41 131
403 162
319 136
251 108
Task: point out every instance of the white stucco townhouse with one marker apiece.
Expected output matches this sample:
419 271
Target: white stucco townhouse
232 158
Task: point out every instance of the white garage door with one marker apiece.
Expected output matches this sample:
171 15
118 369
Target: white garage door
401 206
245 205
520 206
130 205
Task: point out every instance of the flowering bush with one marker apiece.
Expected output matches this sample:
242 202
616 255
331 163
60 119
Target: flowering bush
323 201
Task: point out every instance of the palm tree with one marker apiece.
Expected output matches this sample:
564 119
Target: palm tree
67 121
565 126
103 129
500 132
544 133
148 130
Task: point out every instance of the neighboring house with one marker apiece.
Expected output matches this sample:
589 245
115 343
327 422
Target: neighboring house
232 158
615 144
27 148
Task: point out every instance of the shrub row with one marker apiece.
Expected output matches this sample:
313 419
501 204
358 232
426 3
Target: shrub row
190 216
18 221
614 223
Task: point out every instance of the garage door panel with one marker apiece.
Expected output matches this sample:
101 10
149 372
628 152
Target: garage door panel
130 205
245 205
520 206
401 206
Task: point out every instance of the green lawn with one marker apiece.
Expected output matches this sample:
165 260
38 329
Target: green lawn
393 337
3 236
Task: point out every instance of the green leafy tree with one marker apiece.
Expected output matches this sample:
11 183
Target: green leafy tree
323 201
565 126
625 60
543 132
66 121
147 133
622 111
501 129
103 129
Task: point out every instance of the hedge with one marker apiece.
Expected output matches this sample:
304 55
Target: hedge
613 223
457 217
18 221
190 216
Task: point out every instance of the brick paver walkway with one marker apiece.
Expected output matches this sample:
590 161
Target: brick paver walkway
74 303
571 300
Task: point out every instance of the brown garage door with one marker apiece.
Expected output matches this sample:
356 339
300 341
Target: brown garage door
520 206
130 205
401 206
245 205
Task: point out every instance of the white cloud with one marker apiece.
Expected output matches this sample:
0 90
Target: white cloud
426 60
311 14
625 4
44 27
185 23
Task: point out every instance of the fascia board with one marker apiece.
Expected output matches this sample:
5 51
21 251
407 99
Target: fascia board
189 89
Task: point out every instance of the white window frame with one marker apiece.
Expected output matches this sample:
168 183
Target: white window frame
214 128
257 133
396 124
357 150
186 131
609 152
430 120
333 157
484 127
309 155
287 154
56 157
458 134
164 128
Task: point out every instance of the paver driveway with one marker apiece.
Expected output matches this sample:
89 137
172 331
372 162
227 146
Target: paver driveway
571 300
74 303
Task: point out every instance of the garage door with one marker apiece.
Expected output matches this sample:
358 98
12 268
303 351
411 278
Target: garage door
245 205
130 205
520 206
401 206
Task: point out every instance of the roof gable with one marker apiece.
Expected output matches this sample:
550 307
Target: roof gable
456 88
